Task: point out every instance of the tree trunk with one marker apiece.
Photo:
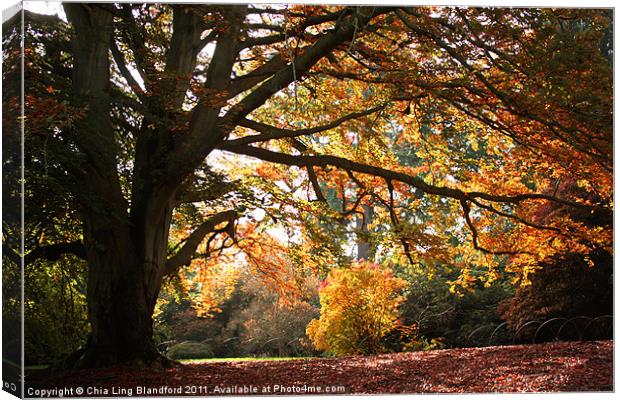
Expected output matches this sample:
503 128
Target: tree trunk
123 286
125 249
363 247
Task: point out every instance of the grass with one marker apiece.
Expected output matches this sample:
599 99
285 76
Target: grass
187 361
235 359
26 367
35 367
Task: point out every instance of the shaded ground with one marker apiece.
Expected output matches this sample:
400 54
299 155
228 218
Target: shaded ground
552 367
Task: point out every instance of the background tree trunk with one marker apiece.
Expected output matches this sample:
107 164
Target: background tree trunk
363 247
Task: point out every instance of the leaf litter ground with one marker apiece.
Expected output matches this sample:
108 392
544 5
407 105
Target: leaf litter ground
550 367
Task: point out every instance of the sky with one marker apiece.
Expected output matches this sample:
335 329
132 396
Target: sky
46 7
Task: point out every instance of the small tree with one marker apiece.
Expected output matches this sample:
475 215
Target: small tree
359 306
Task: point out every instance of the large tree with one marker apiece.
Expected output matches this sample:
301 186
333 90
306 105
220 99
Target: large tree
457 124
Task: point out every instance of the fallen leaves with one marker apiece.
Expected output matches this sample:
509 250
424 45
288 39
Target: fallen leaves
550 367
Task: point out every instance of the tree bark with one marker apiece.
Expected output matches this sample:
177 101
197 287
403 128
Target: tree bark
124 279
125 253
362 222
119 303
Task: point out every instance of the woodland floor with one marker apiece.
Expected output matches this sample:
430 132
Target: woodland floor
551 367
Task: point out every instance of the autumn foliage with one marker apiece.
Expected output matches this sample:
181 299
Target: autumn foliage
359 306
186 142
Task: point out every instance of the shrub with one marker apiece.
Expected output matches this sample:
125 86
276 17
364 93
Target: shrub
267 324
189 350
458 319
254 321
55 322
272 329
567 287
359 306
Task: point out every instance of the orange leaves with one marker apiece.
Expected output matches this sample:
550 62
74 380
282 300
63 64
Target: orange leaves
580 366
209 283
45 113
214 273
473 101
266 257
268 171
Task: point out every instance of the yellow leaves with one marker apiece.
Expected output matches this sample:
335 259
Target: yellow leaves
359 306
465 281
474 145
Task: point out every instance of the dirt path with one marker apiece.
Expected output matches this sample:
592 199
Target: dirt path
553 367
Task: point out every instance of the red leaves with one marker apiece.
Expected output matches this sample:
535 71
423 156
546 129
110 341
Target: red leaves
551 367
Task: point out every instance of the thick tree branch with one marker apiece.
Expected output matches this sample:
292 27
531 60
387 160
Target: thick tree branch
94 134
262 40
119 59
51 252
518 219
344 31
328 160
269 132
268 27
192 148
259 74
316 186
186 253
154 142
296 30
181 56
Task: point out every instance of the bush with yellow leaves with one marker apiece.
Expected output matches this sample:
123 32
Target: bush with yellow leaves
359 306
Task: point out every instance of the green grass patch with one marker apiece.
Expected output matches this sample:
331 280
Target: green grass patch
26 367
240 359
35 367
